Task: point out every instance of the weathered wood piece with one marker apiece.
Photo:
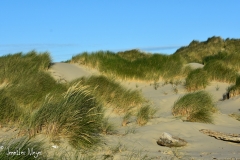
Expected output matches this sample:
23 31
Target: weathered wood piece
222 136
170 141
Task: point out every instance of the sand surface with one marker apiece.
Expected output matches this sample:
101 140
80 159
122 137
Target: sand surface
141 141
68 72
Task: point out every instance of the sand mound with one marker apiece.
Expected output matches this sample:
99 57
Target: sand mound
65 72
195 65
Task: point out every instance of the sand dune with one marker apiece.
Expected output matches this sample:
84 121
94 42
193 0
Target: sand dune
199 146
142 140
69 72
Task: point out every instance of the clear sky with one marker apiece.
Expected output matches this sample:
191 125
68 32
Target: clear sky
68 27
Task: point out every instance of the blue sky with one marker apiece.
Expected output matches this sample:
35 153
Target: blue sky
66 28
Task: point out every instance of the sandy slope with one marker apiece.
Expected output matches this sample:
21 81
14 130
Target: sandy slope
68 72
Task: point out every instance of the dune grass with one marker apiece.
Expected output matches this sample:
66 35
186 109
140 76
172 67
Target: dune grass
134 54
146 67
234 90
144 114
34 102
112 95
10 112
22 149
15 67
230 60
26 84
218 71
76 116
217 68
197 51
197 79
195 107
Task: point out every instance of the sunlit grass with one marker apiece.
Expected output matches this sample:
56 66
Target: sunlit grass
195 107
112 95
25 83
134 65
76 116
218 71
197 79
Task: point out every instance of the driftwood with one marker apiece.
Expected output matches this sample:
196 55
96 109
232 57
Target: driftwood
226 96
222 136
170 141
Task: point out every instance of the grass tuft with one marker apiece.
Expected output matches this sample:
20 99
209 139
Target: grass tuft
234 90
143 115
195 107
76 116
197 79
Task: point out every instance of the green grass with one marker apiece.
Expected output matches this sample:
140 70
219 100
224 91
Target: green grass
195 107
133 65
231 60
218 71
143 115
10 112
234 90
15 67
197 79
198 51
22 149
26 85
134 54
124 101
112 95
35 103
76 116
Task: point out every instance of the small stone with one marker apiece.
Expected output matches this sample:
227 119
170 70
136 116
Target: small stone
169 141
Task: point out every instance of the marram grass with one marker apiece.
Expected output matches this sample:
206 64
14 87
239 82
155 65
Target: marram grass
195 107
76 116
112 95
197 79
234 90
219 71
24 84
229 60
132 67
